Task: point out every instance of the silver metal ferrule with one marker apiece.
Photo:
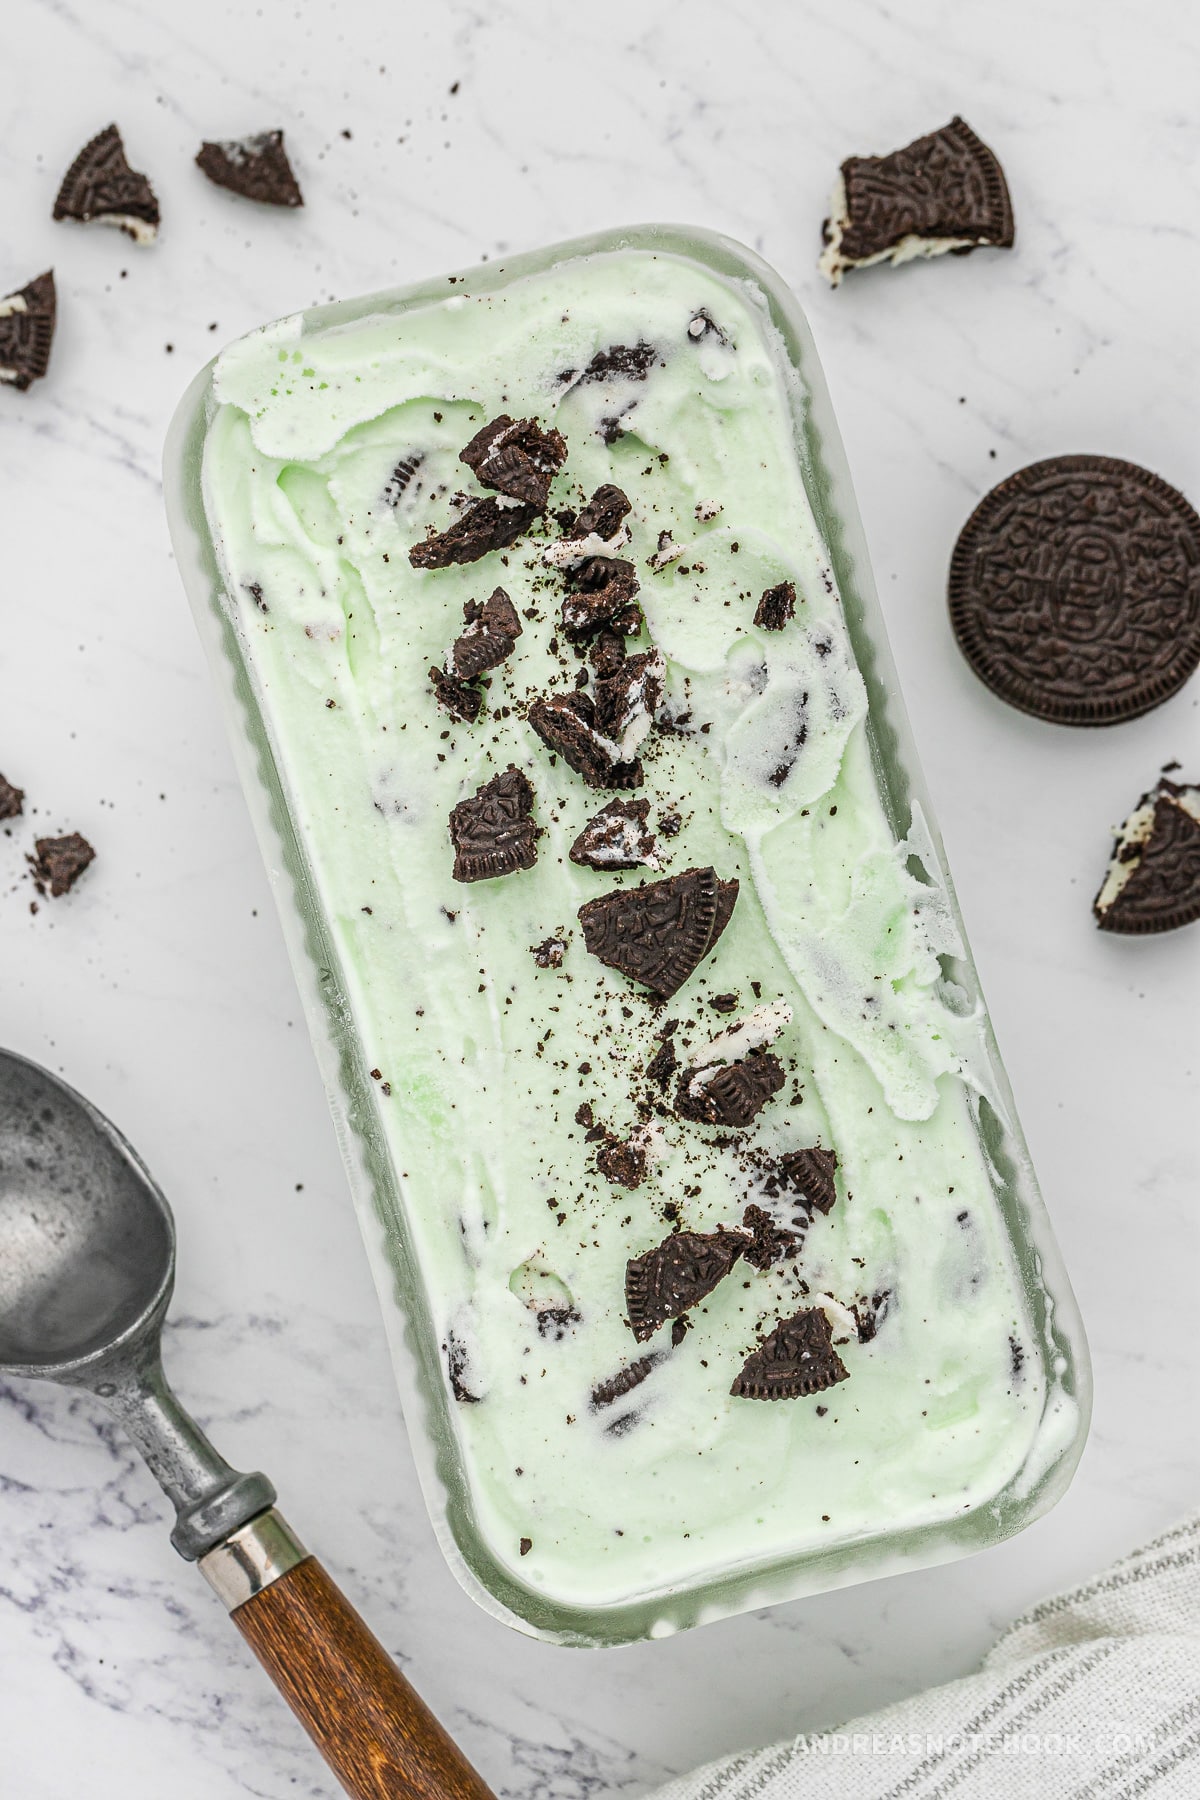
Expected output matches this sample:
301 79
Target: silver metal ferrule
249 1560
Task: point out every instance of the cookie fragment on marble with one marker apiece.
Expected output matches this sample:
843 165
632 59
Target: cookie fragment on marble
100 188
776 607
659 934
256 167
27 320
58 863
943 192
489 634
795 1360
516 457
677 1274
1153 879
12 800
493 832
484 526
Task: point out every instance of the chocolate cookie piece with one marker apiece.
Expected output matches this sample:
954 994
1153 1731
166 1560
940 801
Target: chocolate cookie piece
869 1313
617 838
729 1093
549 954
565 724
459 700
604 513
12 800
487 525
27 320
493 833
458 1370
622 1162
1153 878
798 1358
623 1382
776 607
770 1243
626 362
100 188
627 697
1075 590
59 862
660 933
664 1062
603 596
490 632
942 192
808 1173
516 457
255 167
676 1274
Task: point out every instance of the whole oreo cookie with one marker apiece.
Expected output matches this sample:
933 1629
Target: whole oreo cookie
1075 590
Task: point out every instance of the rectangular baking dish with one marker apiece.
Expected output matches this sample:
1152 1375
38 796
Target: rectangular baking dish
488 1571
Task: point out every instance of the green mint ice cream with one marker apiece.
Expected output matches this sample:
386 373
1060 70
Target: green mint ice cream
546 1122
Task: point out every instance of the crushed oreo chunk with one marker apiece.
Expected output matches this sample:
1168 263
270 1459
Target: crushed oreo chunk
623 1382
488 637
459 700
603 594
625 362
770 1242
729 1093
776 607
808 1173
12 800
549 953
487 525
27 319
658 934
255 167
493 833
623 1161
604 513
59 862
100 188
870 1312
798 1358
664 1062
566 724
627 698
516 457
455 1352
675 1275
617 838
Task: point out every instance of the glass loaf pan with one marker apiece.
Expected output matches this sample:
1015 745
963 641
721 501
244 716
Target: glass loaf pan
483 1556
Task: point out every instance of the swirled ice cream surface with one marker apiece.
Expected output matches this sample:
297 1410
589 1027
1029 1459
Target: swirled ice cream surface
501 1074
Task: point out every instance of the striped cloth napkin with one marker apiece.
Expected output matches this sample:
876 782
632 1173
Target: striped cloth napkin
1094 1695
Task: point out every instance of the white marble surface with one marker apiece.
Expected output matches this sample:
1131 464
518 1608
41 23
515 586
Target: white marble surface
161 989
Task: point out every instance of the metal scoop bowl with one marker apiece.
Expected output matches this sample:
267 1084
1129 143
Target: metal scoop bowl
87 1265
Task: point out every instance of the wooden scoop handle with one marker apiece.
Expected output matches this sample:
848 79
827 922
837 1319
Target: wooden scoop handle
371 1726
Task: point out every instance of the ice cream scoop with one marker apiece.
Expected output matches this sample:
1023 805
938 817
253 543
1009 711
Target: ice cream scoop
87 1265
